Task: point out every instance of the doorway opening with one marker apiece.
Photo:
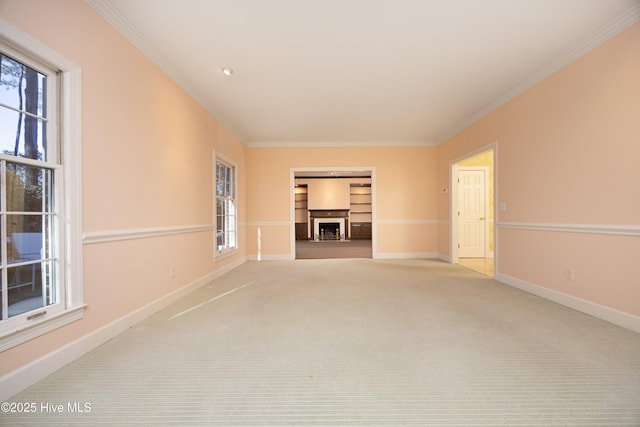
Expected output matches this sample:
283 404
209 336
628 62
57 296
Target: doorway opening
333 213
473 210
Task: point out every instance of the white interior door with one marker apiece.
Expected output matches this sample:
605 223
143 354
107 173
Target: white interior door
471 213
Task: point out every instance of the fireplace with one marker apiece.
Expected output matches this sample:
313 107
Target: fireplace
329 224
329 230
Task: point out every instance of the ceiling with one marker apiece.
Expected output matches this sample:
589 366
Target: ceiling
361 72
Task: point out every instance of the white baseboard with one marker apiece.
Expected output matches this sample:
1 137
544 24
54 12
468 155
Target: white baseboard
277 257
444 257
23 377
619 318
376 255
405 255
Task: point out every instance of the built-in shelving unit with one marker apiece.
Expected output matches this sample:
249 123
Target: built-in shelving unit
301 194
360 213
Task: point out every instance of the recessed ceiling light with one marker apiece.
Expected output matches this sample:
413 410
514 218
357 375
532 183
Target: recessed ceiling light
227 71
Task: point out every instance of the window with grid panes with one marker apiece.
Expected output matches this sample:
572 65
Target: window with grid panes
29 173
40 215
226 208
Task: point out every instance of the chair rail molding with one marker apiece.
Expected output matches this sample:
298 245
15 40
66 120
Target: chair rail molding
617 230
141 233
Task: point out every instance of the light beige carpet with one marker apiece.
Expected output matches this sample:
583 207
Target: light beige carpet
354 342
330 250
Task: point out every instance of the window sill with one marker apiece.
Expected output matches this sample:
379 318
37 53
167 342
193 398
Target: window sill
33 330
225 254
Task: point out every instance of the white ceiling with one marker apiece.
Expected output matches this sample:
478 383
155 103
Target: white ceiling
361 72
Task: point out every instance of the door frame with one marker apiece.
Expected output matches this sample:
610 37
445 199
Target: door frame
453 202
292 215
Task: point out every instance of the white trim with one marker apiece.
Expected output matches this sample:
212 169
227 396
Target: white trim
226 254
70 131
406 255
374 212
444 257
22 41
229 164
594 40
292 203
71 134
21 378
109 12
31 162
141 233
46 324
453 198
117 20
619 318
615 230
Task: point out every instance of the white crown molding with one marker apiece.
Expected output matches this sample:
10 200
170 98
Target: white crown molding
120 23
140 233
615 230
307 144
614 27
117 20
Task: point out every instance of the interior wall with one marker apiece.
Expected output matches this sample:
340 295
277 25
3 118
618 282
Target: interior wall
567 175
328 194
148 164
405 188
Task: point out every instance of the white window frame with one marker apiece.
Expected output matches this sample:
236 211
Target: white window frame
224 160
17 43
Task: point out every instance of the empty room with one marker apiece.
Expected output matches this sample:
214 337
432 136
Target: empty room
320 212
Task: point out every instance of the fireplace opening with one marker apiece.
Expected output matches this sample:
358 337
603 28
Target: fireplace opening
329 231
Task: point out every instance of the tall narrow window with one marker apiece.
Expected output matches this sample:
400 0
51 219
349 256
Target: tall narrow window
226 211
40 189
30 176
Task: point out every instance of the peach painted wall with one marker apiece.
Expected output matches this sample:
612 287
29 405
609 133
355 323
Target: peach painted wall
147 160
405 189
567 155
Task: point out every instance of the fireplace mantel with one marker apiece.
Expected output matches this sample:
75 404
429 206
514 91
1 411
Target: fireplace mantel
329 213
